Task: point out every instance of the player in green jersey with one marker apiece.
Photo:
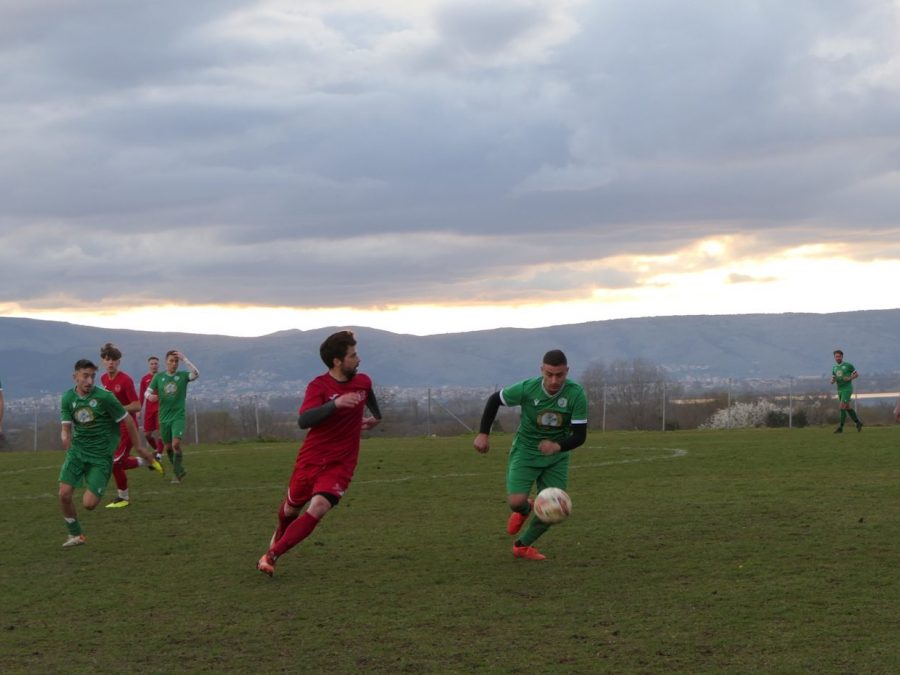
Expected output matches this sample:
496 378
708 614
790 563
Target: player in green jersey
553 421
843 374
170 389
90 419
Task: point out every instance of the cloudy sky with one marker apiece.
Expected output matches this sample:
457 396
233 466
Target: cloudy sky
430 166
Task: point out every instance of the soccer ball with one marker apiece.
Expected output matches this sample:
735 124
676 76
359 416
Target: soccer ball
552 505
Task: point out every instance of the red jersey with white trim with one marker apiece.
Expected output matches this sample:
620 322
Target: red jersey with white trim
148 406
335 439
122 387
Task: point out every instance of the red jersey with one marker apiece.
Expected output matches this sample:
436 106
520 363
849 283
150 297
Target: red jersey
121 386
336 439
149 406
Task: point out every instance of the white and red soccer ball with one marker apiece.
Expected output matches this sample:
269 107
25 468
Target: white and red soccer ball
552 505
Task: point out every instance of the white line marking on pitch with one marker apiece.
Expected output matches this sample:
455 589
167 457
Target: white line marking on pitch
674 454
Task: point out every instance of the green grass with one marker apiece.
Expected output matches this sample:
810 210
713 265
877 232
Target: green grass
706 552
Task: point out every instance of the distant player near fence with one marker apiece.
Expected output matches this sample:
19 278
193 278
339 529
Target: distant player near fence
842 374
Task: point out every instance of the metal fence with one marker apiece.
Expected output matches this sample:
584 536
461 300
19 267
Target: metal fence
667 406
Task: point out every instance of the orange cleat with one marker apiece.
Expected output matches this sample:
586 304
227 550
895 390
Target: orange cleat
517 520
266 565
528 553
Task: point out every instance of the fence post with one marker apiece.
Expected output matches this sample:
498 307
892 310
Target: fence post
790 403
35 426
603 423
664 406
196 428
728 407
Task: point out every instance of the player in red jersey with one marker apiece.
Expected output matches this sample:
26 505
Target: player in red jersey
150 409
122 387
332 410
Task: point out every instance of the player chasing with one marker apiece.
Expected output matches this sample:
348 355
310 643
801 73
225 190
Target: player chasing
90 418
120 384
333 411
150 409
843 374
552 422
170 389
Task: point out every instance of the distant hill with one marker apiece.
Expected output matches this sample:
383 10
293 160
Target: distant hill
36 357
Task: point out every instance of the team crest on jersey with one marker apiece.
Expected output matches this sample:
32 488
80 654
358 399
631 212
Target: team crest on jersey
85 415
170 388
563 402
550 418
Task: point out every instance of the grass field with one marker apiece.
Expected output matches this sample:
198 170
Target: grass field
769 551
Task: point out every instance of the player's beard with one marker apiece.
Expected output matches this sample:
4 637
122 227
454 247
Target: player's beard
349 372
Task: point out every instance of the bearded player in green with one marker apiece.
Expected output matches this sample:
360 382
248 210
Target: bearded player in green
843 374
90 419
170 389
553 421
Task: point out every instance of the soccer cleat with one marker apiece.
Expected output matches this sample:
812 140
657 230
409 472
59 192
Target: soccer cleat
859 426
117 503
839 430
74 540
157 456
528 553
266 565
157 467
517 520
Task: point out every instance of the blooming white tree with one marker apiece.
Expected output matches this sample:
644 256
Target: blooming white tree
740 415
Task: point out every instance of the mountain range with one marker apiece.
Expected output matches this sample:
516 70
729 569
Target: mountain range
36 357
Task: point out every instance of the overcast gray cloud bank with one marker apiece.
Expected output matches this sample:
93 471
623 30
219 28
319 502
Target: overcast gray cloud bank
348 152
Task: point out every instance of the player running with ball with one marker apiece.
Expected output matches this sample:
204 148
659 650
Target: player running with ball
553 421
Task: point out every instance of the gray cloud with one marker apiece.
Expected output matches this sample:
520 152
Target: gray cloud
324 154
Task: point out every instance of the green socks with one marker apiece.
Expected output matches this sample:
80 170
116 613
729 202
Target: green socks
536 527
179 470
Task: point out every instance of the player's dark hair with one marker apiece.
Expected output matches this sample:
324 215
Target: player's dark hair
84 364
150 358
837 351
110 351
555 357
336 346
171 352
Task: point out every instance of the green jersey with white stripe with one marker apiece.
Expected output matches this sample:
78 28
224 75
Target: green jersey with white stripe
544 416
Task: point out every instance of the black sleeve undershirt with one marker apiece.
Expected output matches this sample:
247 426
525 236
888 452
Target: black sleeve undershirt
313 416
575 439
490 413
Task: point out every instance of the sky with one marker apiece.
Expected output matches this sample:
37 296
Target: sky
244 167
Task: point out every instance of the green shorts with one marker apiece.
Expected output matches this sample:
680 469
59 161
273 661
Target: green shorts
77 471
170 430
844 395
524 470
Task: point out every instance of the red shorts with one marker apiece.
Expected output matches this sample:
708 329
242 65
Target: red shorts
151 420
124 447
311 479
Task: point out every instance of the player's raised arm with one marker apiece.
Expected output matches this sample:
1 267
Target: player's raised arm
190 366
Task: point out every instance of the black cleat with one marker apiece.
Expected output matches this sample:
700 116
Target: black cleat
839 430
859 426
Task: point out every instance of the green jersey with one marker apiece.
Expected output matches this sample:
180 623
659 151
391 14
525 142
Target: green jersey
172 392
95 422
842 373
544 416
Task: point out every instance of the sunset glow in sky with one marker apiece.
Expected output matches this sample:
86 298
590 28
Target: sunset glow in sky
446 165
